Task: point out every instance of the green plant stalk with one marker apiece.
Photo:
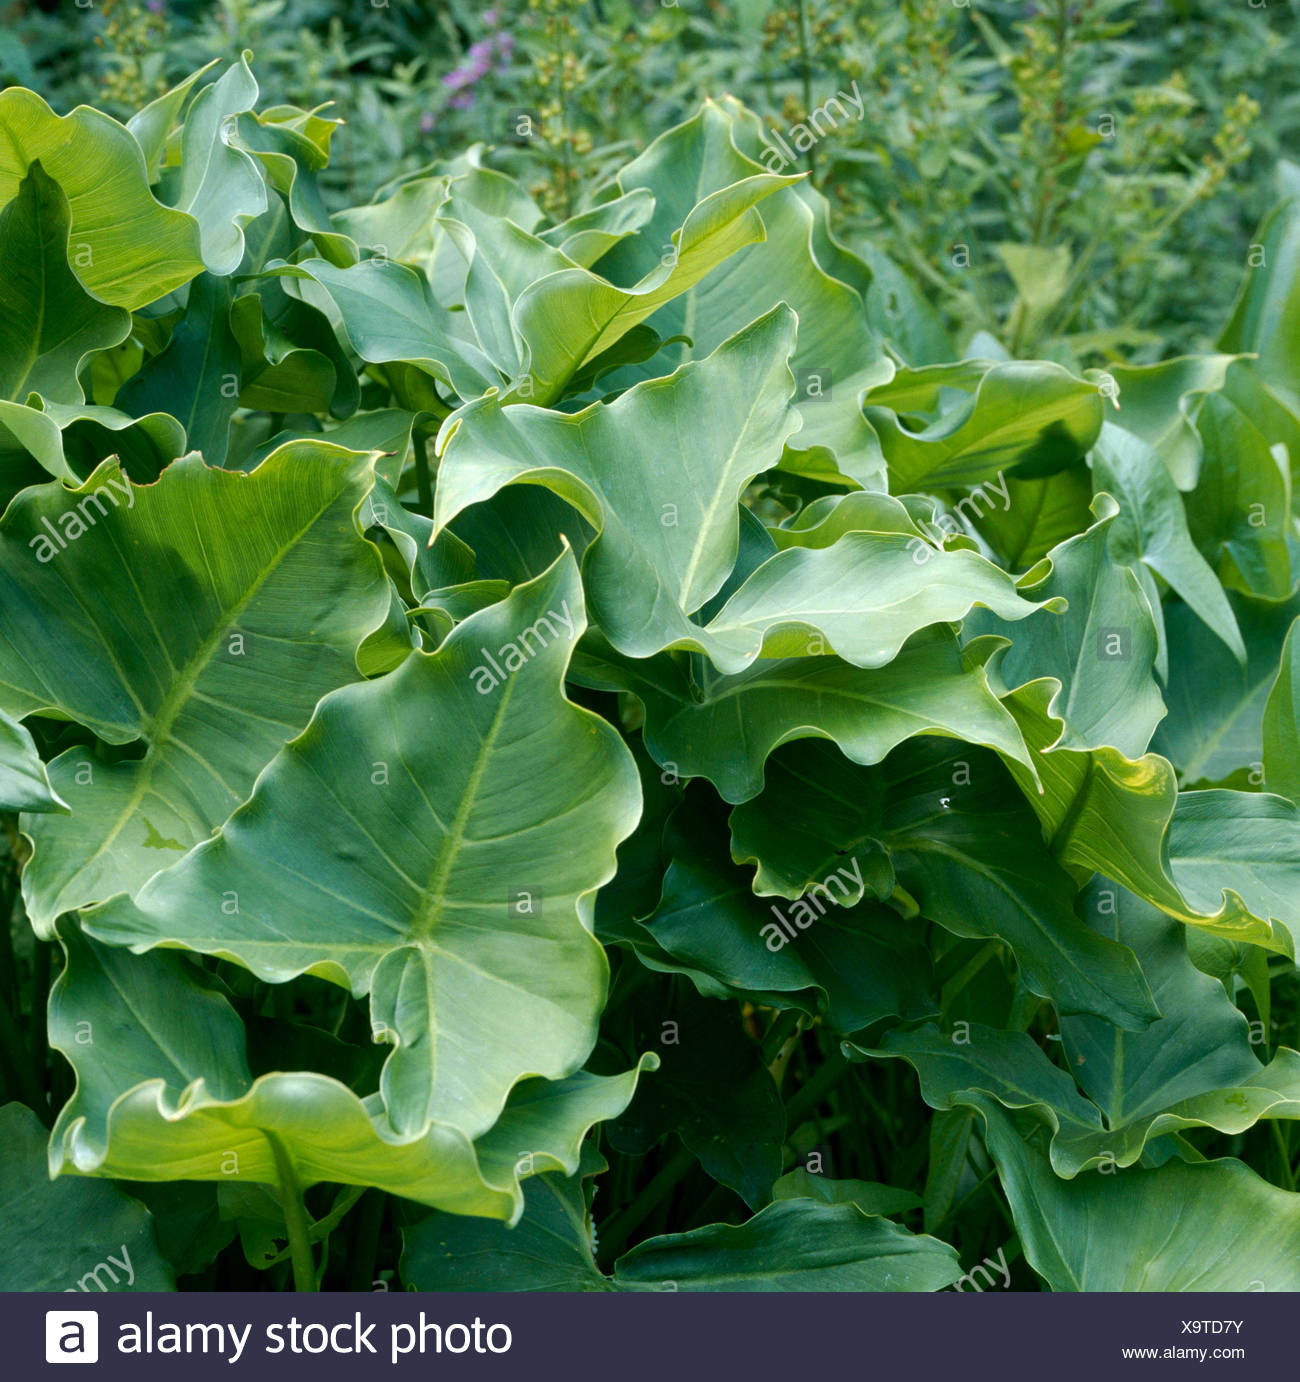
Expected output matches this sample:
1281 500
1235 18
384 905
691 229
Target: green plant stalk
809 1095
295 1218
1283 1153
370 1219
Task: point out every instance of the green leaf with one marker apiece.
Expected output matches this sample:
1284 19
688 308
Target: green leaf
550 1249
469 926
1151 528
1036 516
1268 305
49 324
152 125
799 1244
854 963
927 689
1239 847
792 1245
127 249
1158 403
868 1196
1033 415
1041 275
666 512
973 1059
197 377
24 784
69 1235
1240 510
860 598
1281 727
1216 706
1102 812
1215 1226
568 317
166 1096
837 357
292 147
213 695
1195 1066
1101 649
219 184
963 844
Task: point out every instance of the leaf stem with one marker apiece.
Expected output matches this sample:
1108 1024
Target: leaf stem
295 1218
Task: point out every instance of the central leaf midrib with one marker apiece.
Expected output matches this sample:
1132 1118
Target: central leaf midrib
426 918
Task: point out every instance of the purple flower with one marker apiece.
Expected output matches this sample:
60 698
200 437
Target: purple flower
426 121
154 6
490 18
463 100
481 50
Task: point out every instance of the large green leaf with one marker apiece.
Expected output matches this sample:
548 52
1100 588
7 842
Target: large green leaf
126 248
1033 416
1151 530
196 377
1101 649
468 923
68 1235
930 688
49 323
792 1245
152 124
1216 1226
531 316
837 357
973 1059
1240 510
1158 403
798 1244
1268 306
860 597
1229 847
1102 812
164 1093
536 311
1213 732
219 184
1194 1066
667 513
270 587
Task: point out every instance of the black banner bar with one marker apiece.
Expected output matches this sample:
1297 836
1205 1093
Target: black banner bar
659 1337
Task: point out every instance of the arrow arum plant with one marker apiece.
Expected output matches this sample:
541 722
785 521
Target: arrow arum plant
508 787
